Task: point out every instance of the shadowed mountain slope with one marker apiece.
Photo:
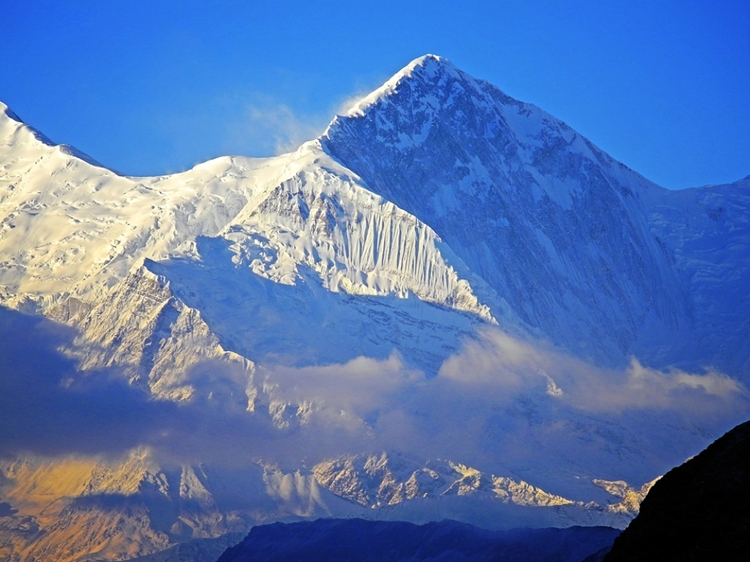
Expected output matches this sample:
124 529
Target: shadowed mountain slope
337 540
697 511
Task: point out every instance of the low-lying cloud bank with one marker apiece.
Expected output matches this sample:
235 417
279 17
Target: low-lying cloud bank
507 402
500 402
498 360
49 407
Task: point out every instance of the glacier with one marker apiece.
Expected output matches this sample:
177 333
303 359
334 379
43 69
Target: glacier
450 304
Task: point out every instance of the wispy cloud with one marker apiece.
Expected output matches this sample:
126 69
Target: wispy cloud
259 125
501 361
358 386
242 124
245 123
505 400
500 401
272 126
351 101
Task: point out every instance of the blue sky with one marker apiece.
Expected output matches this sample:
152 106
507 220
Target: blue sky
156 87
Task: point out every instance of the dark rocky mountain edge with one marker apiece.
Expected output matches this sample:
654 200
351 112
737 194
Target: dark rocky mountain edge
697 511
357 539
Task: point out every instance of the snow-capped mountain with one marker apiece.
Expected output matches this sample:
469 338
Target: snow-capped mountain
445 271
580 247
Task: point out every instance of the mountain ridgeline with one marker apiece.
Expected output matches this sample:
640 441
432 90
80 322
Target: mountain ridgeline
449 305
449 541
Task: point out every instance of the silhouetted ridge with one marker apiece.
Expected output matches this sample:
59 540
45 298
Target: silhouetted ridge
336 540
697 511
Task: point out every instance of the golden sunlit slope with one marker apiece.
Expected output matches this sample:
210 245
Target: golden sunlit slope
59 516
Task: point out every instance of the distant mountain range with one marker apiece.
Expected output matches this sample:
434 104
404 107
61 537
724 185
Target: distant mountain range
450 305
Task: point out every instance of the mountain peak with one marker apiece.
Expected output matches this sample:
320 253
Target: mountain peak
11 118
430 62
457 151
11 123
427 68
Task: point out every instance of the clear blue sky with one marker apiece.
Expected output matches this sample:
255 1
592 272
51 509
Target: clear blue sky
156 87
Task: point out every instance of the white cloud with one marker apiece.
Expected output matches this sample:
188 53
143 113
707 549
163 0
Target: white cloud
345 395
352 101
499 402
501 361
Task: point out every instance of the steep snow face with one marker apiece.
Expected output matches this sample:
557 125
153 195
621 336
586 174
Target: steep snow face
557 228
706 232
158 342
107 253
323 217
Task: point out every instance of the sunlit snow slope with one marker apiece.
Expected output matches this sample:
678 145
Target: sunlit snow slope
71 232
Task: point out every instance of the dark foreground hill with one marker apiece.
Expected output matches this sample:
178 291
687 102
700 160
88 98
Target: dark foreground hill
356 539
697 511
